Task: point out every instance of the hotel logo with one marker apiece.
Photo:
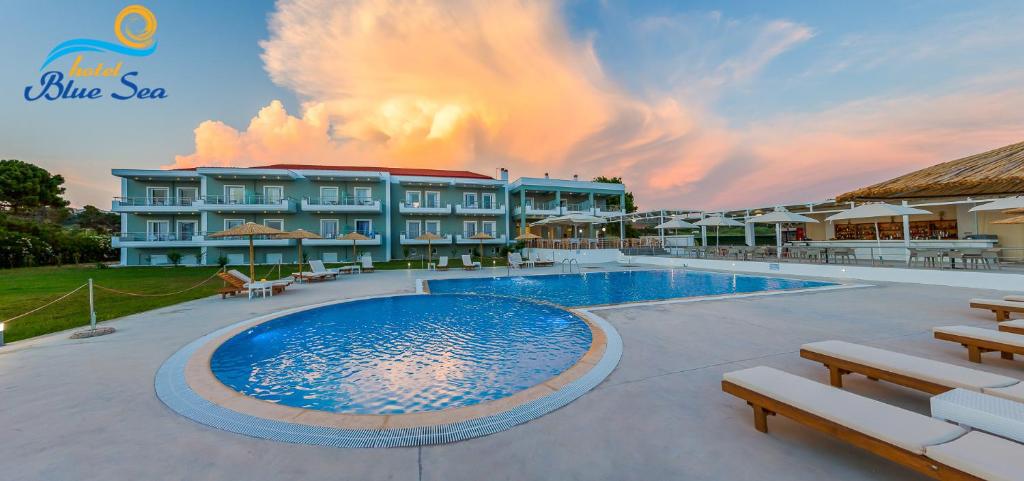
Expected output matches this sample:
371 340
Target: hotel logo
139 41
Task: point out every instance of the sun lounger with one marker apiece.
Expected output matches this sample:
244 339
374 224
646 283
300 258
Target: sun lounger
537 261
366 264
978 341
933 377
238 283
442 264
515 260
1014 298
318 268
468 264
1015 326
1001 308
929 446
278 285
309 276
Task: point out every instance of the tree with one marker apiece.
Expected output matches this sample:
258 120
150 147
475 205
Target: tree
630 205
99 221
25 187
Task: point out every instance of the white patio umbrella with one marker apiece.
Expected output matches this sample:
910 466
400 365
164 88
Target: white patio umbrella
1001 204
778 217
718 220
881 209
676 224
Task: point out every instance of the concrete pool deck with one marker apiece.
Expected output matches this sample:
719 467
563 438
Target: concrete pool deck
86 409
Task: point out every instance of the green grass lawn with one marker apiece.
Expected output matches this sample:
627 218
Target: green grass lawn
24 289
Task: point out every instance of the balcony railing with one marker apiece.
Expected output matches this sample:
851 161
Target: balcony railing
342 204
424 208
251 202
480 209
409 238
464 238
158 237
154 204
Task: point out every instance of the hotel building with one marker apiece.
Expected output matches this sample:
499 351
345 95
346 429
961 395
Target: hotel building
165 211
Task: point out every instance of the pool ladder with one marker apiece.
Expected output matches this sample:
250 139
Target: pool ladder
568 263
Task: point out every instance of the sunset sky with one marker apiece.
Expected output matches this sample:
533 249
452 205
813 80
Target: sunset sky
696 104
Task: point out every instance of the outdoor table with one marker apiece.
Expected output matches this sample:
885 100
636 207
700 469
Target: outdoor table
263 288
983 412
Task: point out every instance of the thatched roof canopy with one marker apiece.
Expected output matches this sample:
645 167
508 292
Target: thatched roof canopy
998 171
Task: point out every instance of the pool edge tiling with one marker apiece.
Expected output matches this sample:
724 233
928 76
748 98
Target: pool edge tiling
186 385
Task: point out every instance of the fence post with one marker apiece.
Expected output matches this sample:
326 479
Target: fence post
1 334
92 310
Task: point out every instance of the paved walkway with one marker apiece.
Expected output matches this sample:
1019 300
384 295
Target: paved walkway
85 409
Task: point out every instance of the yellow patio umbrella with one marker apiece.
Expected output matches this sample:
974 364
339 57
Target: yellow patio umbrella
298 235
481 236
429 237
249 229
354 236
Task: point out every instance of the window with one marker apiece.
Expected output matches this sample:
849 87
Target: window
433 226
157 195
231 223
329 195
490 227
364 227
187 229
488 201
364 195
468 228
274 223
412 198
187 195
273 194
234 194
530 202
157 230
412 229
328 228
433 199
469 200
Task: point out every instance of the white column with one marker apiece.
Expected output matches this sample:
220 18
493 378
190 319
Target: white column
703 233
906 234
778 240
387 217
748 231
661 232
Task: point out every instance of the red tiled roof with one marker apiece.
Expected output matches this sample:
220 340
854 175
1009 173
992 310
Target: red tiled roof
462 174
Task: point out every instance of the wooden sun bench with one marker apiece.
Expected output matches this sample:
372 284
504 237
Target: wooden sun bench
1015 326
236 286
1001 307
979 341
314 276
926 375
932 447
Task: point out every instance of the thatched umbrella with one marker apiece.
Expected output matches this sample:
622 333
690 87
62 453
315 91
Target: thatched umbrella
250 229
1012 220
481 236
528 237
354 236
298 235
429 237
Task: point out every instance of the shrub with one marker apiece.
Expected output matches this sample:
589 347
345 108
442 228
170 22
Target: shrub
222 261
174 257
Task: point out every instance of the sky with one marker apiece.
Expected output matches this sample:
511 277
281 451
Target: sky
696 104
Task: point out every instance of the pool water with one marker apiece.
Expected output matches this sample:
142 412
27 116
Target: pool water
402 354
594 288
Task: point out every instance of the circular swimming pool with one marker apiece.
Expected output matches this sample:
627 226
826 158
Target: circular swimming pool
403 354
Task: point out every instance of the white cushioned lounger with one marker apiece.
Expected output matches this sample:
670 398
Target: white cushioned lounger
1014 298
982 455
1001 308
900 368
1015 326
979 341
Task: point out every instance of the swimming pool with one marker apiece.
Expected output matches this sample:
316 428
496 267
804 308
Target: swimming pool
402 354
595 288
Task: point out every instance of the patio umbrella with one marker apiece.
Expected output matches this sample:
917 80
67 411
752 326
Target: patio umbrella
717 220
778 217
354 236
429 237
298 235
481 236
250 229
1012 220
881 209
1001 204
676 224
528 237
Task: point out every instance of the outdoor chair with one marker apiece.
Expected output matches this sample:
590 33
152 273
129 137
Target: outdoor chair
515 261
366 264
468 264
847 254
930 446
442 264
319 268
990 257
538 262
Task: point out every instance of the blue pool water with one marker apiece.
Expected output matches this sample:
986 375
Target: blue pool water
402 354
593 288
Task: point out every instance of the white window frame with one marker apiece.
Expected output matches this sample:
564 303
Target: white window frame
531 202
408 231
355 225
427 194
323 196
227 195
489 195
337 227
267 197
493 224
240 221
178 224
274 220
369 193
148 228
419 198
429 222
465 232
151 190
475 204
179 190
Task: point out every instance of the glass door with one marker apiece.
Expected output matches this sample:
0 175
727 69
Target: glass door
158 195
187 195
234 194
328 228
273 194
187 229
157 230
364 227
412 229
487 201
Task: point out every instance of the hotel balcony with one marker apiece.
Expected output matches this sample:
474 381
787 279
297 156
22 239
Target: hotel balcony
410 240
155 205
146 239
540 210
249 203
374 240
424 209
580 208
480 209
342 205
607 211
464 238
243 241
